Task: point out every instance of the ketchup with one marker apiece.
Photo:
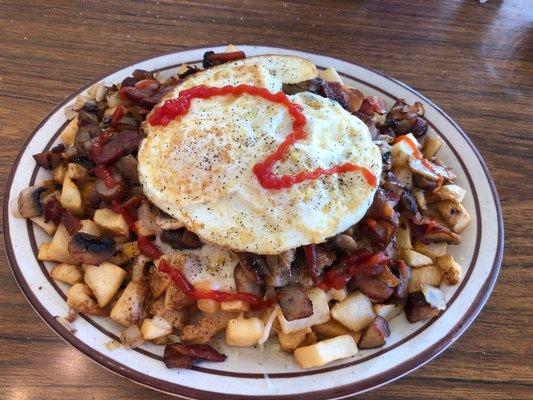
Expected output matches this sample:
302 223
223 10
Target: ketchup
117 116
262 170
359 262
217 295
416 153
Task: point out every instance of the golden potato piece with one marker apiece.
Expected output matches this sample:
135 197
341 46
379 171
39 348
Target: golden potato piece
104 280
450 269
49 227
67 273
68 134
355 312
429 275
455 215
71 197
291 341
175 299
111 222
325 351
79 298
130 307
244 332
155 328
58 248
206 328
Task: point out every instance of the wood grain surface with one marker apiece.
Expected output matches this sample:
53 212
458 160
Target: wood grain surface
474 60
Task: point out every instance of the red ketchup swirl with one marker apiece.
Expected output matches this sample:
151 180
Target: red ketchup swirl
263 170
255 302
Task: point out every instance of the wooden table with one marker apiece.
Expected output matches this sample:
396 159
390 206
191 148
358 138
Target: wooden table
475 60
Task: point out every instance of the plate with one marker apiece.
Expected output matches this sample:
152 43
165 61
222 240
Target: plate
267 373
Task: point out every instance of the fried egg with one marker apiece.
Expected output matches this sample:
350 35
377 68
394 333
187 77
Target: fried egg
199 167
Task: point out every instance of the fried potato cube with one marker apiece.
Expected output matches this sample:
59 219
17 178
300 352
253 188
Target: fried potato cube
76 171
404 175
388 311
452 192
104 280
68 134
71 197
131 250
88 226
402 151
129 308
154 328
244 332
206 328
79 298
432 250
415 259
429 275
330 329
337 294
403 236
355 312
431 146
59 173
420 198
49 227
455 215
58 248
67 273
290 341
158 282
450 269
111 222
175 299
330 75
208 306
235 305
177 318
326 351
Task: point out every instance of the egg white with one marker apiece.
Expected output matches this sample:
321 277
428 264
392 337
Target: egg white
198 168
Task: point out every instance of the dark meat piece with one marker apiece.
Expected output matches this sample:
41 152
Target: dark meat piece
375 335
335 92
279 268
191 70
248 281
86 117
190 240
91 249
126 142
180 355
408 203
85 138
294 302
429 230
127 166
418 309
52 209
172 237
29 201
355 99
403 119
373 287
71 223
424 183
50 159
211 58
146 93
403 273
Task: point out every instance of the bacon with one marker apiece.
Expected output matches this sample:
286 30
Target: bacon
186 355
373 287
403 118
211 58
50 159
127 142
52 210
71 223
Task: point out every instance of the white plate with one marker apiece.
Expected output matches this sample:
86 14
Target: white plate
249 372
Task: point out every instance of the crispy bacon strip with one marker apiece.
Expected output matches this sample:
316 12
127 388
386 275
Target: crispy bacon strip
186 355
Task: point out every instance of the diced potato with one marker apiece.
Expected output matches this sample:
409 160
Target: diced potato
403 236
175 299
290 341
330 329
450 269
455 215
230 49
404 175
111 222
79 298
326 351
76 171
130 250
70 197
244 331
355 312
452 192
432 249
69 133
158 282
330 75
432 144
430 275
118 259
208 306
104 280
337 294
235 305
420 198
321 313
206 328
49 227
388 311
67 273
415 259
154 328
59 173
58 248
43 252
177 318
129 308
401 151
142 229
88 226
